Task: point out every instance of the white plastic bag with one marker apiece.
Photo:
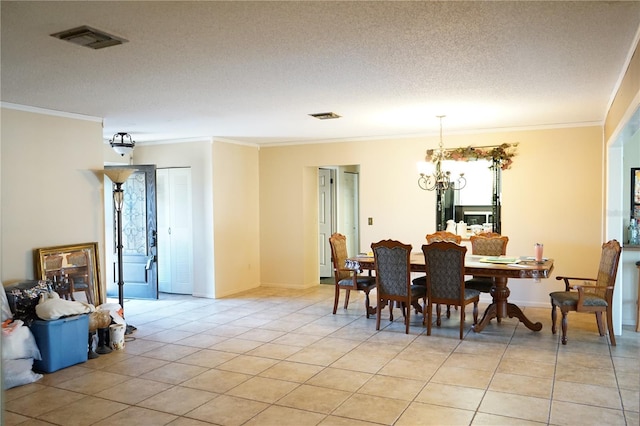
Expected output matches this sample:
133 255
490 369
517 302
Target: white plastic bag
18 342
17 372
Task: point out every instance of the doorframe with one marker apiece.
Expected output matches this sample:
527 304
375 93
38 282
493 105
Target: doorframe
336 208
615 205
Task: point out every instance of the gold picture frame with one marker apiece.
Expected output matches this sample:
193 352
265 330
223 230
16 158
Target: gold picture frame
74 270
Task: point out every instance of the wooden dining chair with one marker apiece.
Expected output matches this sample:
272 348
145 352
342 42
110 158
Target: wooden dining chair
433 238
79 274
345 278
443 236
60 281
392 260
444 263
593 295
488 244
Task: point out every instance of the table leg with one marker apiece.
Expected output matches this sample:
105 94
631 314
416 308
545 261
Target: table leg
500 308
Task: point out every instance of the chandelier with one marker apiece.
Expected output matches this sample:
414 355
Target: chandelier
122 143
432 177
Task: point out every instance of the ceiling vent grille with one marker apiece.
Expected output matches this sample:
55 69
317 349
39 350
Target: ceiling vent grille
325 115
89 37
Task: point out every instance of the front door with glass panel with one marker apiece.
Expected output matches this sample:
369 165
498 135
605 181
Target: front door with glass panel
139 238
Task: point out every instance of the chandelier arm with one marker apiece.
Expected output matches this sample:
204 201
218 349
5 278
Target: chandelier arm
461 182
427 182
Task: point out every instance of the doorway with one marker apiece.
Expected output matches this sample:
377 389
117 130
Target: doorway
338 201
139 238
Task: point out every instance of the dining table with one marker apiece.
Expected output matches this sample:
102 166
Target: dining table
500 268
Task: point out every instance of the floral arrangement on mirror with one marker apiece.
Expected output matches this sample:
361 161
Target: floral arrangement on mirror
501 155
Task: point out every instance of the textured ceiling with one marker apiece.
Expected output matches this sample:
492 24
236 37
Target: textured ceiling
253 71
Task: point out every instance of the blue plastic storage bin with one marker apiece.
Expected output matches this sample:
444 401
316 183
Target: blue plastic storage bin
62 343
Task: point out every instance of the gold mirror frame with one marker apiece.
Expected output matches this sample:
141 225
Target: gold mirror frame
64 261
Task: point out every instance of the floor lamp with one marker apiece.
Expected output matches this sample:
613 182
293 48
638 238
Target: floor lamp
119 176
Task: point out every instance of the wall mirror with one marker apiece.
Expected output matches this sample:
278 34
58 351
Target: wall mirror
478 202
73 269
468 186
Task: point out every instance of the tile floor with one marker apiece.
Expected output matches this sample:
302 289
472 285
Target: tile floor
279 357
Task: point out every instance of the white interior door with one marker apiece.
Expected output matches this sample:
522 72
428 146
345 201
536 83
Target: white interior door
325 219
175 246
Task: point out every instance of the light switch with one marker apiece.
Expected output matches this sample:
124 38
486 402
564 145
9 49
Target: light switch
370 221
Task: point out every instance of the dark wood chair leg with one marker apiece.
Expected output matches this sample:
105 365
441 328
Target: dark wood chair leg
600 324
346 299
564 327
367 305
612 336
407 317
336 299
554 316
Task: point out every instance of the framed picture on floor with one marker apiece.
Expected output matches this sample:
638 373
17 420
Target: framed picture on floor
635 192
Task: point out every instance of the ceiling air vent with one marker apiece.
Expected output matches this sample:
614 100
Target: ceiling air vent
325 115
89 37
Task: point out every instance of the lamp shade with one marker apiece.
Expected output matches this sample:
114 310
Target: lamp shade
118 174
425 167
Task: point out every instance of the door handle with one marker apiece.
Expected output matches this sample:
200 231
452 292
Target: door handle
150 261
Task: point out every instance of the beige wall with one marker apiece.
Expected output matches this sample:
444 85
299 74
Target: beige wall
265 200
225 211
236 207
552 195
264 203
197 155
51 186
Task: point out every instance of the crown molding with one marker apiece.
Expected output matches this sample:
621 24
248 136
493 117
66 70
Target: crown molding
45 111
